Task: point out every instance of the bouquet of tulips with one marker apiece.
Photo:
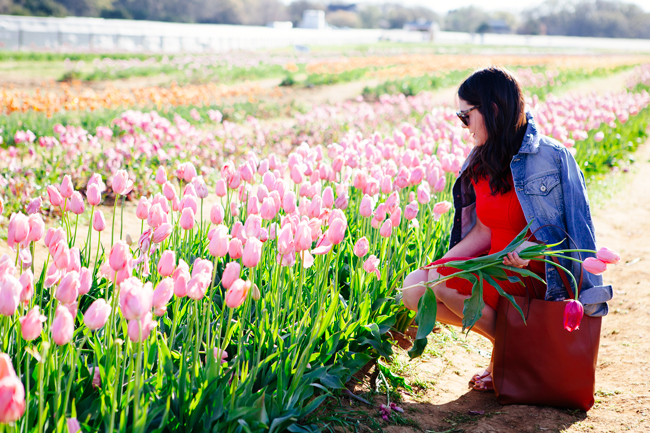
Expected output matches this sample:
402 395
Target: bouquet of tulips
490 268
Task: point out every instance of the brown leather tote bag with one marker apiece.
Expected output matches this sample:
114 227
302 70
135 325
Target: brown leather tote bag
541 363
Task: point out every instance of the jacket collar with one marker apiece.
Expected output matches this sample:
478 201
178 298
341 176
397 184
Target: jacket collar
530 144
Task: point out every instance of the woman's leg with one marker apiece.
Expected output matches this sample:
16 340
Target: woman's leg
411 297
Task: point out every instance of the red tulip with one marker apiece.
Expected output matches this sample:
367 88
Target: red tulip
573 312
608 256
594 266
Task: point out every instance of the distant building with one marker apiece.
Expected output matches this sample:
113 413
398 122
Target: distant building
280 25
494 26
340 7
421 25
313 19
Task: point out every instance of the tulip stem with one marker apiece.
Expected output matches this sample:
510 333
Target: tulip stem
99 244
138 377
89 239
113 222
122 215
72 373
41 396
26 392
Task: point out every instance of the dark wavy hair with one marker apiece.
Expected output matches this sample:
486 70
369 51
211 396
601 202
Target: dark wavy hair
502 104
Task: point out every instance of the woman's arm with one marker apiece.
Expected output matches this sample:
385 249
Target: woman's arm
474 244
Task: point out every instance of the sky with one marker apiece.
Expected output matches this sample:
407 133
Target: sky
515 6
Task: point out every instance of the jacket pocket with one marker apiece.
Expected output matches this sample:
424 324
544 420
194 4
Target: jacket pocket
545 194
542 185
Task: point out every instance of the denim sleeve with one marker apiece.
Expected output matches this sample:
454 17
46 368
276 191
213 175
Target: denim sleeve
593 294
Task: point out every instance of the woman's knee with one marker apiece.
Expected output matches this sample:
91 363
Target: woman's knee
411 295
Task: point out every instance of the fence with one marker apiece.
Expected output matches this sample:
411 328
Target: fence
96 34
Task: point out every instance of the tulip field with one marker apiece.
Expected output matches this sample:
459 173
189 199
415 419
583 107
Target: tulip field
263 267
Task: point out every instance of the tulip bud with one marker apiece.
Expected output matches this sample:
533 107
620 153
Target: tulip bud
594 266
608 256
255 292
97 314
67 189
62 326
99 223
573 312
31 324
361 247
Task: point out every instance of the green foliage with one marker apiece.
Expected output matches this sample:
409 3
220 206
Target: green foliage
411 86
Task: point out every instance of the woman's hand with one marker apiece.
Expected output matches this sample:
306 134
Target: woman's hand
513 259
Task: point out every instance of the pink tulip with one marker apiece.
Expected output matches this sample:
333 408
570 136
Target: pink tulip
252 253
411 211
93 195
573 312
230 274
68 288
252 227
54 195
220 188
96 179
136 298
370 265
217 214
18 229
162 295
52 276
73 425
67 189
199 283
36 228
26 281
440 208
76 205
99 222
31 324
169 191
121 184
181 276
156 216
60 254
33 207
97 314
187 219
190 172
12 392
119 256
365 208
396 217
200 187
594 266
161 175
423 195
219 243
220 355
236 294
62 326
161 233
142 211
386 229
85 280
235 249
74 260
303 238
599 136
167 263
608 256
138 328
336 231
328 197
361 247
440 184
268 211
289 202
97 378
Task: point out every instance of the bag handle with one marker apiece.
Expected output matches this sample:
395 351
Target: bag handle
565 280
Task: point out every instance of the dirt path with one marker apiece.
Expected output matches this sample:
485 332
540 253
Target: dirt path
442 402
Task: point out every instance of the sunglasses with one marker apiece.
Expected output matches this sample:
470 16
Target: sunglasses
464 115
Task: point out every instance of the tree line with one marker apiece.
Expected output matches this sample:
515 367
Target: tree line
598 18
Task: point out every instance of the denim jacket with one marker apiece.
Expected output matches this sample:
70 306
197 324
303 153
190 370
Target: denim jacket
551 190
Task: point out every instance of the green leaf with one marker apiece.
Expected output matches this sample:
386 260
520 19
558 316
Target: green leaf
418 348
515 280
508 296
426 316
473 306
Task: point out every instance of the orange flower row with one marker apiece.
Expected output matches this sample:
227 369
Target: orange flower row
72 98
420 64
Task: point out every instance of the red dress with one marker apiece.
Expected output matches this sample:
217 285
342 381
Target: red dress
503 215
